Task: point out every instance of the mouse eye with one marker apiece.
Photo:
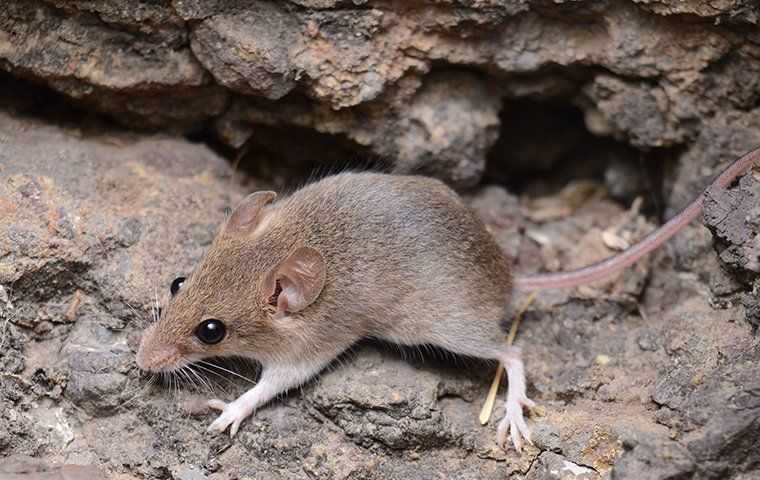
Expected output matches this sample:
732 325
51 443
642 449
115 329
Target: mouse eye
210 331
176 285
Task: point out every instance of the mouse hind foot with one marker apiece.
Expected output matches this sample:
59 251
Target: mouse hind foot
513 422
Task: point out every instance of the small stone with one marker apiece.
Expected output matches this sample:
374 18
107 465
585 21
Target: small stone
130 231
549 465
545 436
602 360
184 472
647 341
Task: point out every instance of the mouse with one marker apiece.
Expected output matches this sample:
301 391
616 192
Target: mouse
293 282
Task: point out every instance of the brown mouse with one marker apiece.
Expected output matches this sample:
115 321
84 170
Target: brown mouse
294 282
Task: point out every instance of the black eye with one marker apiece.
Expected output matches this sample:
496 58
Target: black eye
210 331
176 285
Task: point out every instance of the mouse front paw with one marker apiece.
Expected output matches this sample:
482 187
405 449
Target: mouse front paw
232 415
514 423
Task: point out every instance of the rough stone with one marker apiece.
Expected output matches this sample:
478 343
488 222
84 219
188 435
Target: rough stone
396 410
97 219
550 466
185 472
27 468
661 461
354 70
247 51
131 66
734 218
438 131
94 281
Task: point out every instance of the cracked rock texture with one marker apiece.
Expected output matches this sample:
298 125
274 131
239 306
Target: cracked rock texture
126 134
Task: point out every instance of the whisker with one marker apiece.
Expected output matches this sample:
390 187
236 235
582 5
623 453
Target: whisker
134 310
177 379
219 376
182 375
194 378
156 306
203 381
212 365
213 372
139 392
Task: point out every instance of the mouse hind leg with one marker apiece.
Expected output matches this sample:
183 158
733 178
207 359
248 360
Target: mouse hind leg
491 345
517 399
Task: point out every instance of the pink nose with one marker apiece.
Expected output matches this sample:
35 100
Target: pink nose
158 360
154 357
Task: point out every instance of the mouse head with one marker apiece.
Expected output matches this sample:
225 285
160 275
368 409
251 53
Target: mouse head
239 298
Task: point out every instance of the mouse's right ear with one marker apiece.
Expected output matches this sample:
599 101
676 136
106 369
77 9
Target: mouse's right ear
300 279
247 214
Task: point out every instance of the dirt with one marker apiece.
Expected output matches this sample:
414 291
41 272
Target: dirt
126 135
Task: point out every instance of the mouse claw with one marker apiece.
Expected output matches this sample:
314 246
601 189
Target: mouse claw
514 424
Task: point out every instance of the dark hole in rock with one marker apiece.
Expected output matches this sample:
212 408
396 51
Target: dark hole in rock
33 100
543 146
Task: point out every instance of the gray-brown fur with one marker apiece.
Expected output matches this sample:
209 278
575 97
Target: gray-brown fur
406 261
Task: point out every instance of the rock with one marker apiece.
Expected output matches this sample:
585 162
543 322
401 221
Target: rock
713 397
549 466
731 429
185 472
26 468
113 127
448 137
383 400
734 218
247 51
133 67
664 460
648 341
719 142
365 73
119 223
546 437
624 104
743 12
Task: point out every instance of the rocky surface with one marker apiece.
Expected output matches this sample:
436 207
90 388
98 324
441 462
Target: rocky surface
400 79
27 468
113 127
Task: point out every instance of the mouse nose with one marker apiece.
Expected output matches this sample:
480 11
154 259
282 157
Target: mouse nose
158 360
155 358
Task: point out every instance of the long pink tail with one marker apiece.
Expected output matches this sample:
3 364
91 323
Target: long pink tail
604 268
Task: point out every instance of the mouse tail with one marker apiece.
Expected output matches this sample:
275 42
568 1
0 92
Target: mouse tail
604 268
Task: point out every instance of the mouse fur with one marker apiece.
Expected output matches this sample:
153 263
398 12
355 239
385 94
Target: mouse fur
404 260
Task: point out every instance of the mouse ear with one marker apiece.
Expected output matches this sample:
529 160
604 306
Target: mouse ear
301 277
247 213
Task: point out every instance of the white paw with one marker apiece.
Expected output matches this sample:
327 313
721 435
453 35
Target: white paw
514 423
232 416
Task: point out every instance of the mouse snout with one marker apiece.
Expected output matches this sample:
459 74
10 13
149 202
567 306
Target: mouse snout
154 357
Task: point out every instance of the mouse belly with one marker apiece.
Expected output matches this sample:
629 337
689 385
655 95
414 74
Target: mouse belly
462 329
